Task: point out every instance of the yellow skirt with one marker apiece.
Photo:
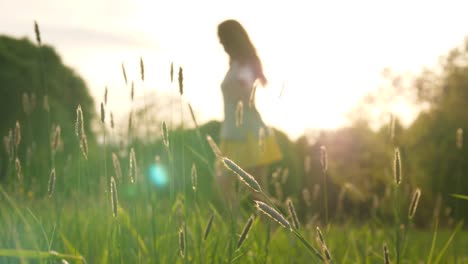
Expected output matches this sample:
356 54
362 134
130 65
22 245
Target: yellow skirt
251 153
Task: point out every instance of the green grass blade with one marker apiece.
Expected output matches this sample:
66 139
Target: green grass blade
42 227
68 245
455 231
434 239
20 214
308 245
35 254
460 196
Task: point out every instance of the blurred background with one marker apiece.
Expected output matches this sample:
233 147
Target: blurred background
360 78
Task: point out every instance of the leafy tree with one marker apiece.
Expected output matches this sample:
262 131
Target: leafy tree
39 91
435 158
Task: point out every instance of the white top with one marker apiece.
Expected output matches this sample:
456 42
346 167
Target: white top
237 86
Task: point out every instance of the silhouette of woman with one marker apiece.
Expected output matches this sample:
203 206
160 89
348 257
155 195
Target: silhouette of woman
245 138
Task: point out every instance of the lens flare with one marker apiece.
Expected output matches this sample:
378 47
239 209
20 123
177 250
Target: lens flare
158 175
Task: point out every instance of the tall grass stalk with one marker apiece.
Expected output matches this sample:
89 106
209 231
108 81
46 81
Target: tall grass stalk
324 165
44 87
397 223
39 255
434 239
397 180
273 214
104 145
459 171
449 241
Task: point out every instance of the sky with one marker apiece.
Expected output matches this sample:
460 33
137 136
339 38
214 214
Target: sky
320 57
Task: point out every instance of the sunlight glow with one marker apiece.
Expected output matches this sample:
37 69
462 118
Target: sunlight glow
329 53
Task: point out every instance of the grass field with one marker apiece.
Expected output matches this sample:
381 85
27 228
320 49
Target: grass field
141 223
95 206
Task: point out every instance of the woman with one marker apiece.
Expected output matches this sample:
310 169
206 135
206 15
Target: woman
245 138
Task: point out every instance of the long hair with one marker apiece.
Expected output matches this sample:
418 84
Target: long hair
238 46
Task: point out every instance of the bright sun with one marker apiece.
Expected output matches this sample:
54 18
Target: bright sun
327 59
297 92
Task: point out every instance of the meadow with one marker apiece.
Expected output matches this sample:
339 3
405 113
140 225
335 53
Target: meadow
133 200
132 220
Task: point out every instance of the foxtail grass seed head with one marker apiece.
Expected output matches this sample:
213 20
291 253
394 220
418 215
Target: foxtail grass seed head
375 202
103 113
19 173
307 163
142 69
51 183
278 191
341 198
17 134
306 197
11 144
292 214
112 120
6 144
132 91
239 113
192 114
33 101
178 208
29 155
114 197
261 139
84 146
46 103
133 168
165 134
245 177
319 235
324 159
316 192
105 96
447 211
117 169
414 203
194 177
79 124
214 147
245 232
181 81
56 138
182 242
252 96
26 104
397 166
273 214
459 138
38 33
326 252
386 256
276 174
323 245
172 72
124 74
208 227
285 176
392 127
130 122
